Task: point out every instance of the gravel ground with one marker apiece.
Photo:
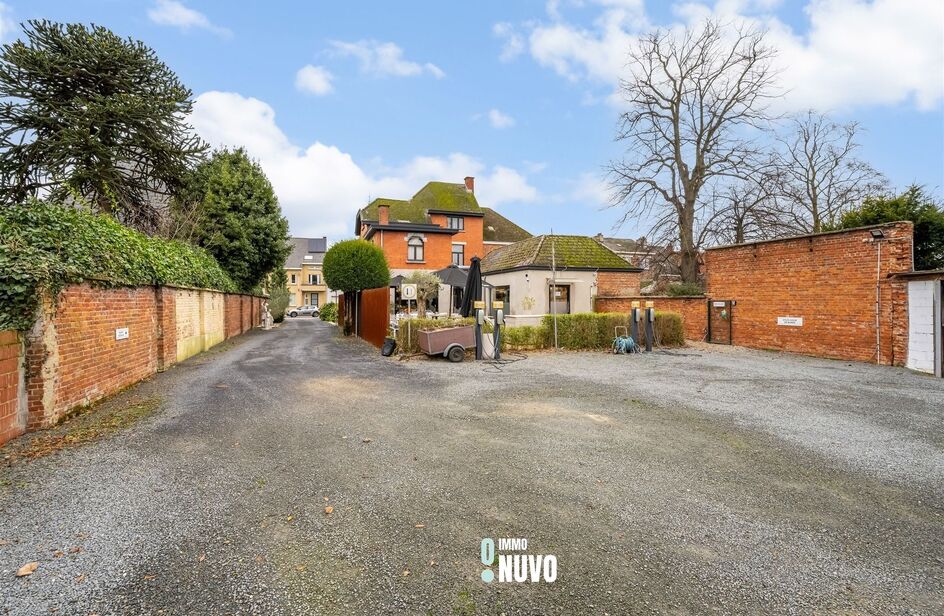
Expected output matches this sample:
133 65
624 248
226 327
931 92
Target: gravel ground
709 480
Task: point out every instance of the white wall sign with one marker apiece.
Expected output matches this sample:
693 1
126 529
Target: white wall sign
121 333
790 321
408 291
719 304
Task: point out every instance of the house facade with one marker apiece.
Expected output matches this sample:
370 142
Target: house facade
441 225
555 273
303 269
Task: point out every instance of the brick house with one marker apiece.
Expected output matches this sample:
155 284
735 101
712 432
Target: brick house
303 272
441 225
520 275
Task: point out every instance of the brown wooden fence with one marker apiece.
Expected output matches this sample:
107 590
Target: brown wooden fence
370 313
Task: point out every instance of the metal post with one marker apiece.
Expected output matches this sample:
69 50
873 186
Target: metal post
479 316
634 326
650 333
554 290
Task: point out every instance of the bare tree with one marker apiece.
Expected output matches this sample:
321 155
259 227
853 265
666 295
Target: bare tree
694 99
819 175
750 208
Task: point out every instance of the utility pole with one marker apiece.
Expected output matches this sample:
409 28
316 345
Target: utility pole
554 289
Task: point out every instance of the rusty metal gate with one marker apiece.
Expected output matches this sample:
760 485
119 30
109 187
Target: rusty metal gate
720 319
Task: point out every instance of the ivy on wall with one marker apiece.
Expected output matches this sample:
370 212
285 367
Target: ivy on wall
44 247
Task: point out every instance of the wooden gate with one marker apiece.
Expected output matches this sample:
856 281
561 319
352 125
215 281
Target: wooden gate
720 321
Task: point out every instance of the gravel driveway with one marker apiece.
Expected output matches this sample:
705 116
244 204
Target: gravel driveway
708 480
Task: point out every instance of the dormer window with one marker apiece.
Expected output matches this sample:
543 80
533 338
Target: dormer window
455 222
415 249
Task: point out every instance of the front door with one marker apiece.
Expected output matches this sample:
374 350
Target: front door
720 321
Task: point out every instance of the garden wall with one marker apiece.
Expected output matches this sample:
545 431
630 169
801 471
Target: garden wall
693 309
833 282
97 341
12 415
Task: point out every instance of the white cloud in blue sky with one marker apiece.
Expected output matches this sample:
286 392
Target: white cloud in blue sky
384 59
500 120
314 80
176 14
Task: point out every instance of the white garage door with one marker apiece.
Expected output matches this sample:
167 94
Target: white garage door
921 325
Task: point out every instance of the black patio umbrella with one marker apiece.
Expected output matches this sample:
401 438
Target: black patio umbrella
473 289
454 276
396 281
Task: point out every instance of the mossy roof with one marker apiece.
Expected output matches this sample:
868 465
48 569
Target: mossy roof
570 252
441 196
497 228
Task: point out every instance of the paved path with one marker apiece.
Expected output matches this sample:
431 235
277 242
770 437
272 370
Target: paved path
695 482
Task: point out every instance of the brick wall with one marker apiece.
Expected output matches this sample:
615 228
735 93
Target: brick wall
72 356
694 310
437 249
12 423
827 279
618 284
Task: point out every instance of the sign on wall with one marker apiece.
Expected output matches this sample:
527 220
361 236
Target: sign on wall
121 333
790 321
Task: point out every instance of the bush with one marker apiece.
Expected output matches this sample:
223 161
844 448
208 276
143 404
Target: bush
44 247
682 289
278 295
596 330
329 312
408 335
524 338
354 265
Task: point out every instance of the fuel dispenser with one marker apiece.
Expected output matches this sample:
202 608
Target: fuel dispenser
650 325
499 324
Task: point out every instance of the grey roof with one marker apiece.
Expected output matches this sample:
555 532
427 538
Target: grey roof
626 245
303 246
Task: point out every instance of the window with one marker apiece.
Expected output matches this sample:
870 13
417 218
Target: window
294 280
313 279
559 299
503 294
291 299
414 249
314 299
458 254
455 222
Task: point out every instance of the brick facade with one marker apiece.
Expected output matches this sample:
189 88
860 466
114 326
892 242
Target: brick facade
437 249
694 310
829 280
73 355
618 284
11 374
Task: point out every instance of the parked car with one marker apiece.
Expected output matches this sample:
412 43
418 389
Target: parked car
303 310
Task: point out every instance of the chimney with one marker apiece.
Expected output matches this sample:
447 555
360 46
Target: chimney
384 214
470 184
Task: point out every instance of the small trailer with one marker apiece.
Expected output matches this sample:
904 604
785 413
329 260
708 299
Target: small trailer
451 342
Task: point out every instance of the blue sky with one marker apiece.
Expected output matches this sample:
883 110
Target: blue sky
342 101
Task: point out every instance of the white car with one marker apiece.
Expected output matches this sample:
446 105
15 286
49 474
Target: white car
303 310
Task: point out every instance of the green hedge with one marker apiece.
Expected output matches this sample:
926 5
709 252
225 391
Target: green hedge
590 331
329 312
407 345
44 247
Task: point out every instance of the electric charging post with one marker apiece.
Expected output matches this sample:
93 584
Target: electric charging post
650 324
634 322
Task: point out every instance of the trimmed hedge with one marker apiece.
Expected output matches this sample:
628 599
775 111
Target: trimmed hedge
329 312
44 247
590 331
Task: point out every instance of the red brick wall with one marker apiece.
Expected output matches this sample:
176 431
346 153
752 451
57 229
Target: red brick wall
74 358
437 251
471 235
694 310
618 284
828 279
10 351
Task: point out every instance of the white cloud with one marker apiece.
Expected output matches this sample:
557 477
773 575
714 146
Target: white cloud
384 59
176 14
500 120
854 53
513 42
314 79
7 24
321 187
